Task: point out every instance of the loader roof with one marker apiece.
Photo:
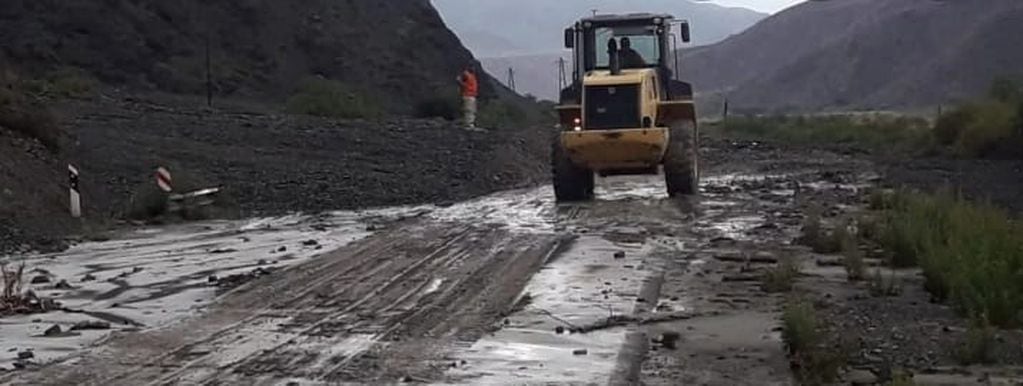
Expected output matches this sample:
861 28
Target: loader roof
614 19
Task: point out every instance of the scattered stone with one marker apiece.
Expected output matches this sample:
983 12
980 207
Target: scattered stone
670 340
40 279
54 330
26 355
619 255
63 285
310 243
861 378
580 351
90 325
88 277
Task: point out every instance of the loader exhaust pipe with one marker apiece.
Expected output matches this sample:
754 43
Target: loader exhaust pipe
614 61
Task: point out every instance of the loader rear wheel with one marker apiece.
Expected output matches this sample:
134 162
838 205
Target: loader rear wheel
681 163
571 182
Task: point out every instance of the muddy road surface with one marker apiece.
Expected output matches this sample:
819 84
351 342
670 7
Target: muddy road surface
632 288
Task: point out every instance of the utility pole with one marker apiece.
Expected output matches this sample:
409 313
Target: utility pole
724 113
511 79
594 11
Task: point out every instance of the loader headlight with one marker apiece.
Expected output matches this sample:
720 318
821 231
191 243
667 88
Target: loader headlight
578 124
578 128
658 21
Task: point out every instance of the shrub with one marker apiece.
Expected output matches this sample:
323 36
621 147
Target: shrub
782 277
971 254
977 347
498 113
26 115
876 132
813 363
440 106
852 260
330 98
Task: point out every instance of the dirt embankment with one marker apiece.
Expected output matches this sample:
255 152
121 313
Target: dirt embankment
267 163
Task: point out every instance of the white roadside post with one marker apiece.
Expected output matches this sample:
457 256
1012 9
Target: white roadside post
76 195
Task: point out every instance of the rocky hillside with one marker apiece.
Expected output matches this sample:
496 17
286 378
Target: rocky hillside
389 50
872 54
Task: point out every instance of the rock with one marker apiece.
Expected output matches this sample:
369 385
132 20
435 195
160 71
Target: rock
88 277
223 250
282 249
559 330
619 255
213 279
261 262
371 228
861 378
54 330
40 279
26 355
63 285
90 325
136 269
670 340
310 243
580 351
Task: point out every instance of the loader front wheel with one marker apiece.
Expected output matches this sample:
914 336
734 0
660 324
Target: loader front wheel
681 163
571 182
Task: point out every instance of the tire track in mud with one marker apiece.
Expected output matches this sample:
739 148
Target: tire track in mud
407 293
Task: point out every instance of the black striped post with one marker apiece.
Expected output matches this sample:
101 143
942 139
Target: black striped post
76 195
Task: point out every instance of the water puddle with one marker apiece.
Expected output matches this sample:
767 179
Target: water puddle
593 280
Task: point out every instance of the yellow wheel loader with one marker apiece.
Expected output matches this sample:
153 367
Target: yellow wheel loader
624 110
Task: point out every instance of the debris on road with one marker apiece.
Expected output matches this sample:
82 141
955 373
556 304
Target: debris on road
90 325
54 330
580 351
233 281
619 255
26 354
88 277
63 285
40 279
310 243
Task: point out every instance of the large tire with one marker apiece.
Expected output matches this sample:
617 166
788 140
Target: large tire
571 182
681 163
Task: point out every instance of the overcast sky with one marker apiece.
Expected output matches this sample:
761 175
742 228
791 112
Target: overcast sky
770 6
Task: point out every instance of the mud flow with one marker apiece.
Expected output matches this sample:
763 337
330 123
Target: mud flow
512 288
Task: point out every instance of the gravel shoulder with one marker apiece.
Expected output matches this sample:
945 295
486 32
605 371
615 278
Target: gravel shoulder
267 163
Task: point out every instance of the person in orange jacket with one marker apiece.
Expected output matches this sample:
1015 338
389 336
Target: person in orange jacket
470 90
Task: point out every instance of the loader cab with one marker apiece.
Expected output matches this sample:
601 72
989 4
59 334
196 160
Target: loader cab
600 43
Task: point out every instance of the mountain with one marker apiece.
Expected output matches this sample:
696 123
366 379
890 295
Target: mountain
494 28
863 54
392 50
526 34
